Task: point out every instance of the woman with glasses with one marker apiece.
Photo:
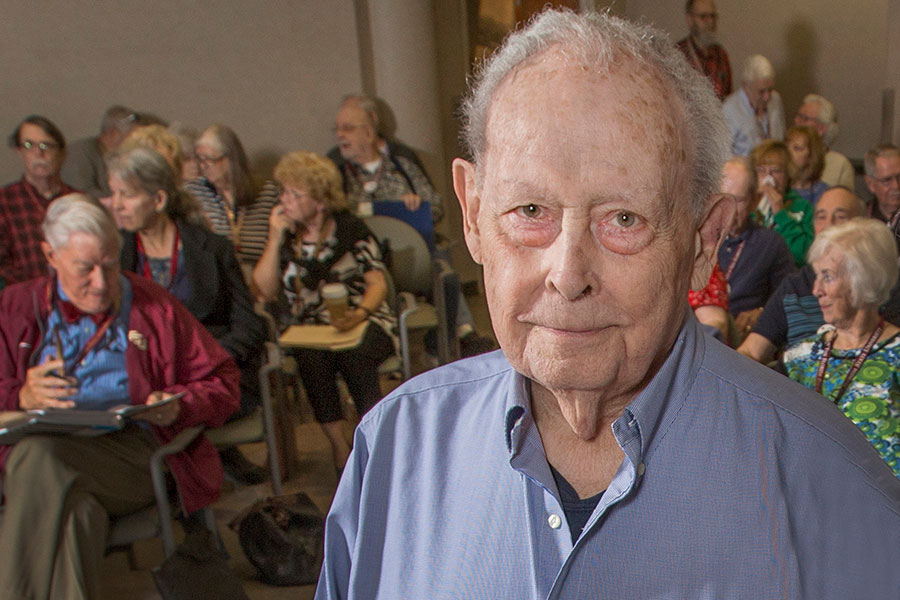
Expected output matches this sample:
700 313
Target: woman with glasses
315 240
234 206
779 207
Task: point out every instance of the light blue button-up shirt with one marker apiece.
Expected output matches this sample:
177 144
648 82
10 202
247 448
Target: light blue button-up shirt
736 483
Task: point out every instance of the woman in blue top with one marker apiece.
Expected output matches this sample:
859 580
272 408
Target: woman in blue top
807 162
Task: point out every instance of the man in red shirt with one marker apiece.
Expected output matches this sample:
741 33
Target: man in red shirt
41 146
701 48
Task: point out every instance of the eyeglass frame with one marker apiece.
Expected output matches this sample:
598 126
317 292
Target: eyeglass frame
29 146
887 180
208 160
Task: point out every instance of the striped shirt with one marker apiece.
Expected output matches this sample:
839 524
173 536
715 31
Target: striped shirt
252 221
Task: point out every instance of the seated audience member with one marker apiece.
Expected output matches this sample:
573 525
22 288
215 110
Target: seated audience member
807 159
710 305
755 112
166 240
313 240
702 48
753 258
187 137
233 205
118 335
883 179
374 170
820 114
160 139
41 146
84 167
854 362
610 450
792 312
778 207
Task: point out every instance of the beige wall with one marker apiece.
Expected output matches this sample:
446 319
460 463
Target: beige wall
835 48
273 70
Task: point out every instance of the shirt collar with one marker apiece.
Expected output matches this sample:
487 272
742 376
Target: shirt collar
647 416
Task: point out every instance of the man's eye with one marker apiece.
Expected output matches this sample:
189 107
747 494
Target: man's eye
530 210
625 219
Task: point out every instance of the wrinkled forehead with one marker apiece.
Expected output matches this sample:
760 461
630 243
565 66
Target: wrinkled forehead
555 98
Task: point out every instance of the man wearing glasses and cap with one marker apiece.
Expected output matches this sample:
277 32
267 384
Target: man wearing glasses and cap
85 167
41 146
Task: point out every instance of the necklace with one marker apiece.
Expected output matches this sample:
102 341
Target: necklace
857 364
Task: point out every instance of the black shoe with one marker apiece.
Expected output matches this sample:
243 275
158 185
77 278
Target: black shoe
240 470
473 344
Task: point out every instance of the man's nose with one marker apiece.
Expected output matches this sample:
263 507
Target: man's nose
572 266
99 278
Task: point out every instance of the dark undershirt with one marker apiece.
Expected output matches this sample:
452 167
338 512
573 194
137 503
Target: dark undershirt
577 510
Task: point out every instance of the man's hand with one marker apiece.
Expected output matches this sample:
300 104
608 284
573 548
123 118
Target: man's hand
745 321
412 201
351 319
163 415
44 388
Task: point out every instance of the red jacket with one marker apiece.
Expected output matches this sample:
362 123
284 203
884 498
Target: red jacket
178 355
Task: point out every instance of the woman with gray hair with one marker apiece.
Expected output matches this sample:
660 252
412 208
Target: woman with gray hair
167 241
853 358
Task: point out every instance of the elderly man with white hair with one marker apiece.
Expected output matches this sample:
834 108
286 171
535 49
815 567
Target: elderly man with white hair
755 112
609 449
817 112
91 337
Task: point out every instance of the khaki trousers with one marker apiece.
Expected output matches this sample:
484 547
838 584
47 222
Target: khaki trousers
60 494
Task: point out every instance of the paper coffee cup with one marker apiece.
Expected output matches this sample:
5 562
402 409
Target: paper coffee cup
334 296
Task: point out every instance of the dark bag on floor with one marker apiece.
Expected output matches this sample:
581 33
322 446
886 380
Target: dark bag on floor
197 571
284 537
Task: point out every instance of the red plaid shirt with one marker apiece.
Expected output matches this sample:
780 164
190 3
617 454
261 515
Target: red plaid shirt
713 62
22 210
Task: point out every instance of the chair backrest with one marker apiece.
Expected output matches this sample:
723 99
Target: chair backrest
410 265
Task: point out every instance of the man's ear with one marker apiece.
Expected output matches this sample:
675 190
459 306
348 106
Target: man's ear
49 254
869 184
709 237
470 202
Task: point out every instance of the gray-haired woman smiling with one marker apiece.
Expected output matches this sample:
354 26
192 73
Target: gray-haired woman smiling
853 359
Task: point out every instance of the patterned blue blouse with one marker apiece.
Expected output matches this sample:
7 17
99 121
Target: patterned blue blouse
872 400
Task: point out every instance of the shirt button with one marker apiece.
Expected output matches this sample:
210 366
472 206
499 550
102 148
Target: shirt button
640 469
554 521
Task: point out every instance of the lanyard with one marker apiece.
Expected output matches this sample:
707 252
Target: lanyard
368 184
235 222
173 267
92 342
734 259
864 353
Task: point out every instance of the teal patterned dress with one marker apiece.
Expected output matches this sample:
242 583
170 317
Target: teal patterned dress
872 400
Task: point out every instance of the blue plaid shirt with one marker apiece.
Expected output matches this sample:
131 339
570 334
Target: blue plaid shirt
102 380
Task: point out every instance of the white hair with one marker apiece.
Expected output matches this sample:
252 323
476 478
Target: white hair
870 258
604 41
77 213
827 116
757 67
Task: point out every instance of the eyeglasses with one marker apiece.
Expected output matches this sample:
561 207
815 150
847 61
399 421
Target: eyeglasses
347 128
204 159
886 181
30 146
767 170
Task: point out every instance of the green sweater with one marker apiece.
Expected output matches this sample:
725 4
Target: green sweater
795 224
